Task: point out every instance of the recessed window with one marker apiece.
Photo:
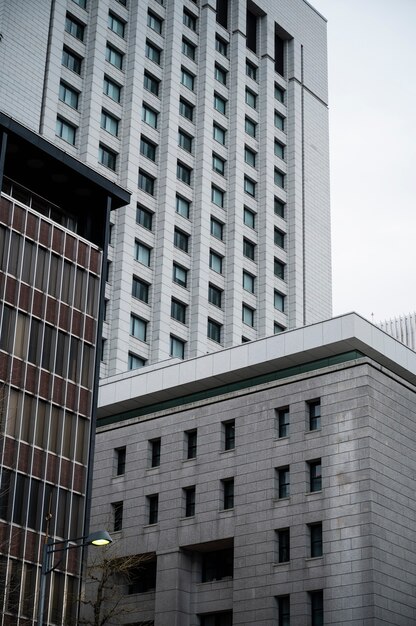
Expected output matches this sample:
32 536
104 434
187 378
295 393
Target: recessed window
154 22
146 182
147 148
183 173
107 157
117 508
120 461
140 290
111 89
151 83
214 295
144 217
185 140
221 46
314 411
217 196
279 238
178 311
278 328
248 282
279 178
279 208
283 540
219 134
279 149
220 104
228 493
215 262
250 127
138 327
187 79
279 269
279 301
217 565
191 444
283 482
155 449
248 315
189 20
65 131
220 74
182 206
81 3
228 429
149 116
251 70
189 493
249 186
135 362
283 421
186 109
218 164
109 123
74 27
250 156
114 57
116 24
180 240
249 249
180 275
217 228
279 121
279 93
68 95
153 508
317 607
153 53
214 331
142 253
251 99
283 609
315 532
177 347
188 49
315 475
71 60
249 218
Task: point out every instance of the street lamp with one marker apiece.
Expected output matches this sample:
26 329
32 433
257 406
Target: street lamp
50 548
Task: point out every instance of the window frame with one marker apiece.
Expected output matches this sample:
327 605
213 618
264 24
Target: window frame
248 315
314 414
114 57
315 476
215 295
283 478
138 327
154 22
214 330
228 493
283 422
217 260
64 90
116 24
108 85
181 240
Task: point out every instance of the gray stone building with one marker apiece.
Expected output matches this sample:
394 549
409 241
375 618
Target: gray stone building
270 483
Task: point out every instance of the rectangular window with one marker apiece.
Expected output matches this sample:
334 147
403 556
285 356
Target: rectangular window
177 347
189 501
111 89
219 134
222 12
283 610
315 475
72 61
65 131
251 70
155 445
191 444
214 295
117 516
279 93
114 57
279 121
279 150
217 229
229 434
249 249
74 27
249 186
154 22
251 31
279 238
283 420
279 178
248 282
216 565
283 482
109 123
147 148
248 315
283 538
188 49
182 206
178 311
183 173
138 327
189 20
144 217
314 410
220 74
218 164
315 532
186 109
221 46
153 508
278 328
120 461
251 99
180 275
214 331
279 53
228 493
181 240
142 253
153 53
217 196
249 218
116 24
187 79
146 182
250 157
150 83
220 104
185 140
149 116
215 262
279 269
140 290
68 95
317 607
279 301
81 3
279 208
134 362
250 127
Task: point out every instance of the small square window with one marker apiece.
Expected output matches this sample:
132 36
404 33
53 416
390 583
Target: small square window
250 127
179 275
186 109
116 24
154 22
114 57
188 49
151 83
142 253
153 53
149 116
279 178
217 228
185 140
279 208
189 493
315 533
279 238
74 27
138 327
180 240
283 539
111 89
140 290
251 99
215 262
72 61
214 331
182 206
117 508
278 328
251 70
279 301
187 79
249 218
178 311
177 347
109 123
248 282
147 148
279 269
283 421
214 295
107 157
248 315
191 444
183 173
68 95
220 74
228 493
220 104
219 134
65 131
189 19
250 156
315 475
153 508
283 482
229 434
279 149
279 93
146 182
218 164
249 186
217 196
221 46
279 121
314 410
249 249
135 362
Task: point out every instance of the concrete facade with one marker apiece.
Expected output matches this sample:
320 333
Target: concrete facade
336 397
255 198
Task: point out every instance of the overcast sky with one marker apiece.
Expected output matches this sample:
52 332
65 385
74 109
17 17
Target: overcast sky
372 104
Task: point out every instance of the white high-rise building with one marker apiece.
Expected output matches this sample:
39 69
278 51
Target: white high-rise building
214 115
402 328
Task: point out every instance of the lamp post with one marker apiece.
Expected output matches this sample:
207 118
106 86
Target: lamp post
50 548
